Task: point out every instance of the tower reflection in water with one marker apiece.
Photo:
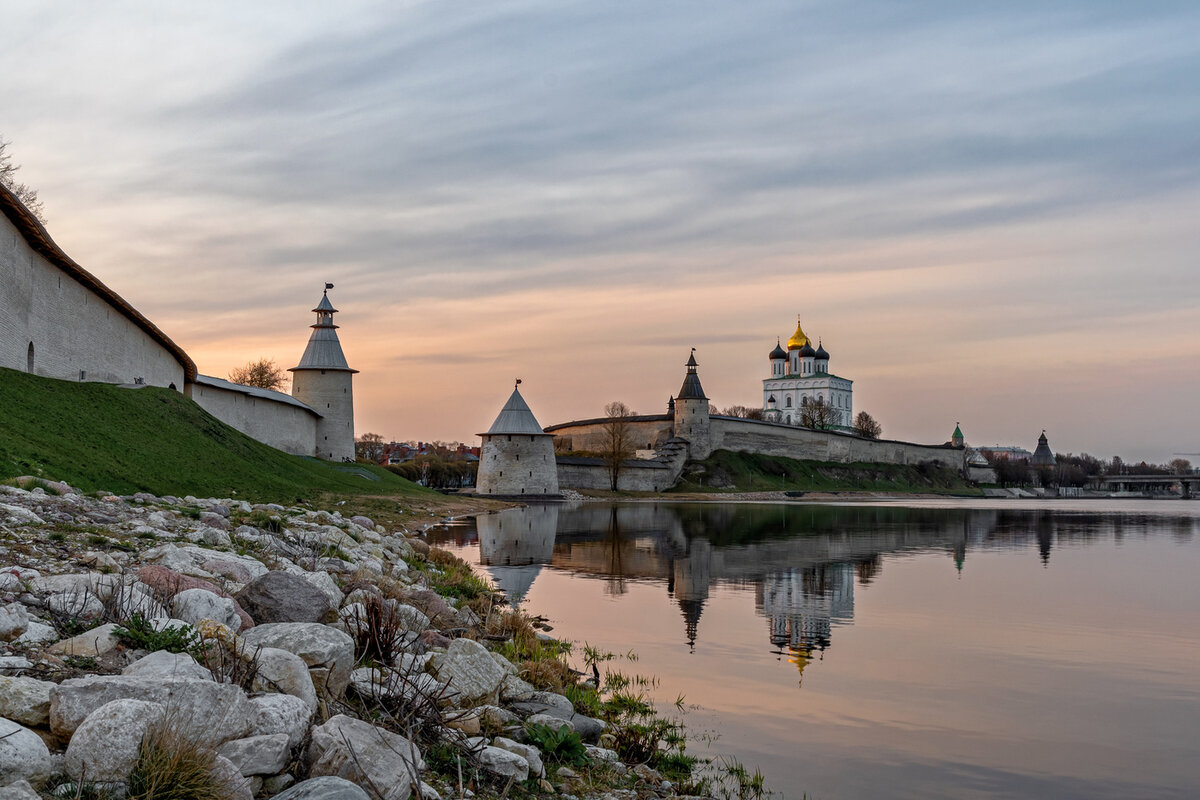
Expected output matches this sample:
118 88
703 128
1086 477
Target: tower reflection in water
800 562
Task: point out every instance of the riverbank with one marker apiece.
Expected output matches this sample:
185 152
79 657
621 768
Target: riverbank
284 650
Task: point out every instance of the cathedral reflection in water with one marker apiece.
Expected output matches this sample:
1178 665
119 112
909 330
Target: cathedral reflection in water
800 561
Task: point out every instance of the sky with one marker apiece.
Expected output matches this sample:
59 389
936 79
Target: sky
987 212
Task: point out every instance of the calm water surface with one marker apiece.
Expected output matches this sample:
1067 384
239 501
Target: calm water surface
934 649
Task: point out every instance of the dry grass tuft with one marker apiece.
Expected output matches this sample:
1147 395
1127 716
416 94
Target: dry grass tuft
170 766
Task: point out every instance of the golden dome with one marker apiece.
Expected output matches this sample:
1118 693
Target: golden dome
798 339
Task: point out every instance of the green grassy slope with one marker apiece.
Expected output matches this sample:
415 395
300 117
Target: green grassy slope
99 436
726 471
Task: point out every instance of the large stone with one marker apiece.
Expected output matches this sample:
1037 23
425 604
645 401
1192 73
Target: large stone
14 620
37 633
468 667
193 605
326 788
92 644
162 664
237 787
25 700
105 746
258 755
23 754
283 597
324 581
281 671
328 652
531 754
21 790
168 582
280 713
502 762
203 710
384 763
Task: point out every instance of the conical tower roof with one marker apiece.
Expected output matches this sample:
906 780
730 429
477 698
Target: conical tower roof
691 389
516 417
324 350
1043 455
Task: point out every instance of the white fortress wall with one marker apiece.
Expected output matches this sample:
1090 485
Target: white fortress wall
647 433
776 439
270 417
588 473
76 333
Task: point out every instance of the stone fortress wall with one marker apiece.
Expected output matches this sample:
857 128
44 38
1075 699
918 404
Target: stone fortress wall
57 321
278 421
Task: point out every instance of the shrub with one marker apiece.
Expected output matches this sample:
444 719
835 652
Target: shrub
378 632
139 633
562 746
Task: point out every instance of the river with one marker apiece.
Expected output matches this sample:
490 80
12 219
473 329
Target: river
898 649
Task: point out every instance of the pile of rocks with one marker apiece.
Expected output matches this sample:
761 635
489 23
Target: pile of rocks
275 601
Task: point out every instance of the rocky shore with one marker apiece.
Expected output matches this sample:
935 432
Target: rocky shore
237 650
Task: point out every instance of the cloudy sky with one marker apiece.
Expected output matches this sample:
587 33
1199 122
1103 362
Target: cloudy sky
989 212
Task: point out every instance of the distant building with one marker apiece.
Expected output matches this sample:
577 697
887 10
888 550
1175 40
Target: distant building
801 374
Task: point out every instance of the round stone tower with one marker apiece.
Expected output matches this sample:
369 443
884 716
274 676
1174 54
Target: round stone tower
323 381
517 457
691 414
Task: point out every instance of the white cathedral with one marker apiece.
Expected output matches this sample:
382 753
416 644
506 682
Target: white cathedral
801 375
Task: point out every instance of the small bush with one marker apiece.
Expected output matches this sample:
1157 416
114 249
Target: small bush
139 634
562 746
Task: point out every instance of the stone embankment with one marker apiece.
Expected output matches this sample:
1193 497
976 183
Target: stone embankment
291 652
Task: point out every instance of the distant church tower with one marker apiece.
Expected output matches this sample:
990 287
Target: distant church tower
323 381
691 414
517 457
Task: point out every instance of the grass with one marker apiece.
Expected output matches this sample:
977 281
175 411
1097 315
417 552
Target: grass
727 471
98 436
171 766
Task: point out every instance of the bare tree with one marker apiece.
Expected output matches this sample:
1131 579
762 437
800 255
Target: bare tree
369 447
745 412
24 193
263 374
815 413
617 442
1180 466
866 426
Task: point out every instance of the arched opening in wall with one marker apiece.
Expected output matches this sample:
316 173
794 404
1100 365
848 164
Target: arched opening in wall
29 359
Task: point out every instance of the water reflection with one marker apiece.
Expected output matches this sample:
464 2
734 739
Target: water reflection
800 562
941 651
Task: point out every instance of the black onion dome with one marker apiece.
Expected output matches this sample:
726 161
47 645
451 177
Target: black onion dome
807 351
821 353
778 353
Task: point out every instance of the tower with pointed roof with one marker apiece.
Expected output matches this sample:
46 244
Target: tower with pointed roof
956 438
692 421
517 457
324 382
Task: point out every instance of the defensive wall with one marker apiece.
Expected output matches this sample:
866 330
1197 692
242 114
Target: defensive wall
726 433
273 418
57 320
779 439
648 432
